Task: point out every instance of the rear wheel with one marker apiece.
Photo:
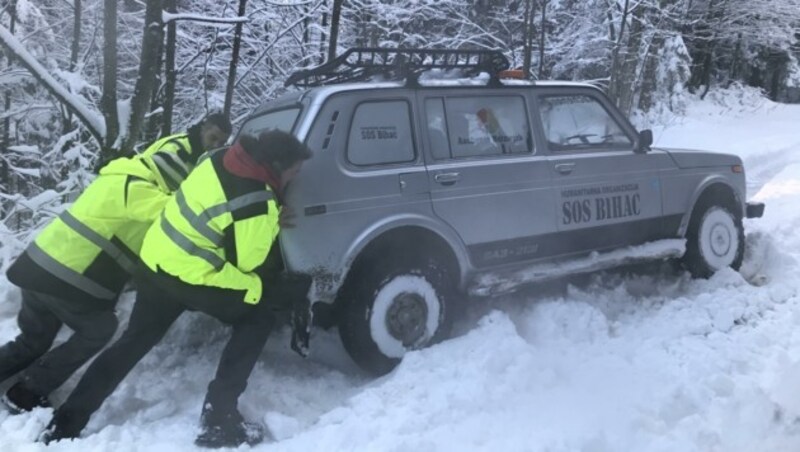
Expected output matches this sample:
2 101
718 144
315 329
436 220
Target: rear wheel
714 240
389 308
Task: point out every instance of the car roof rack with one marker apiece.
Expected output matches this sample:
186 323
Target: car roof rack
363 63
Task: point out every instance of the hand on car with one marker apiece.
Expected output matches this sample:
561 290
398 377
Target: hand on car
286 217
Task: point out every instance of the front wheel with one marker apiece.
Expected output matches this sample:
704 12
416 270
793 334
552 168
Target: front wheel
714 240
391 308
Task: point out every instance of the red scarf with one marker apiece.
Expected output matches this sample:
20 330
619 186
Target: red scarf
242 164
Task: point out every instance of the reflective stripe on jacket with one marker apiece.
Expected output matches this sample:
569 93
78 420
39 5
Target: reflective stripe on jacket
93 246
170 159
215 231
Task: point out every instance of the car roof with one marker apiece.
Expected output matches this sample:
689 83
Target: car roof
322 92
471 82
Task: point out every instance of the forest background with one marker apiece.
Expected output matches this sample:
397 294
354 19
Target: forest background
84 81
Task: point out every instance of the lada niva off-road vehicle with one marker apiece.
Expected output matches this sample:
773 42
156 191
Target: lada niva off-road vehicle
422 191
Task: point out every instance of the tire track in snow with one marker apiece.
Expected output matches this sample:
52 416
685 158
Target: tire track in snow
761 168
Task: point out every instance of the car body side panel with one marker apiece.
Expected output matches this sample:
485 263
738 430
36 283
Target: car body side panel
619 190
341 207
606 195
506 215
515 188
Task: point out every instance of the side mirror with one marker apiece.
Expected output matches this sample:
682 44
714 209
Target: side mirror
643 141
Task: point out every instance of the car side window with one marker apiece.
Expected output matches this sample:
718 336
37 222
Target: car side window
381 133
579 122
463 127
437 129
282 120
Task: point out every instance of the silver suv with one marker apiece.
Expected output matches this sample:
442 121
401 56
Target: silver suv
422 192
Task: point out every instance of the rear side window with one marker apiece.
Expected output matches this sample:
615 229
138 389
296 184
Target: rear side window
278 120
463 127
381 134
579 122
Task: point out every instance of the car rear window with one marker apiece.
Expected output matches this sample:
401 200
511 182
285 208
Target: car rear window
381 134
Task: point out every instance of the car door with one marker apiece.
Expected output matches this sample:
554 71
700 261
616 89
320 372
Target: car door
486 179
606 195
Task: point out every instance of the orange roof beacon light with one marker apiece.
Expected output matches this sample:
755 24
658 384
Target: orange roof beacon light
517 74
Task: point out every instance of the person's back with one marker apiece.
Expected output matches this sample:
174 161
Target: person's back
91 247
203 254
73 272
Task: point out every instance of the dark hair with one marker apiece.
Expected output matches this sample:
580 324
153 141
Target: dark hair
219 120
276 148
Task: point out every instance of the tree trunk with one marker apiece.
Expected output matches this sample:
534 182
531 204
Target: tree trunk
151 130
649 73
76 36
4 172
542 35
153 35
735 60
237 42
612 32
322 38
108 101
66 115
626 86
526 39
335 18
704 34
614 76
306 32
169 71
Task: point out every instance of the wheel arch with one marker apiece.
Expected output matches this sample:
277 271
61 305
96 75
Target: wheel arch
408 239
710 188
420 231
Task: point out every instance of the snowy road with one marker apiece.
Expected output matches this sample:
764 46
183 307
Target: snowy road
647 362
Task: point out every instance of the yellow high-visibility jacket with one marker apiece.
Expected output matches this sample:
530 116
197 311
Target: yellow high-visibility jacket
171 159
216 231
91 249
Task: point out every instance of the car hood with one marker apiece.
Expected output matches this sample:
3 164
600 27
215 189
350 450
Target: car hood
690 158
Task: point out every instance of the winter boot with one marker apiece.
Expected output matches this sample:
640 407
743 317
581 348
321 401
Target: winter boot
20 399
64 425
228 430
234 435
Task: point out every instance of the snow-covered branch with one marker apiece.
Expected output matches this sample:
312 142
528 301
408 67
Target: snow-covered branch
269 46
289 3
167 17
91 119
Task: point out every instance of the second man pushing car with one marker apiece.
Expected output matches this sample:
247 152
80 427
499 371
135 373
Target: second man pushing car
205 252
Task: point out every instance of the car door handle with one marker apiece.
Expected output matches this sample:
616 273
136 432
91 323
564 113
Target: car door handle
565 168
447 178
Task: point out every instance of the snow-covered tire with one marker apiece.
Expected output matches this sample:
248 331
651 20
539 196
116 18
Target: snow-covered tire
390 307
714 240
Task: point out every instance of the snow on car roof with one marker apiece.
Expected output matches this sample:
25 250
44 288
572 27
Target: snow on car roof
325 91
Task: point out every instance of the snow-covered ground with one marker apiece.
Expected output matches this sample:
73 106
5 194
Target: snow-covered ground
614 362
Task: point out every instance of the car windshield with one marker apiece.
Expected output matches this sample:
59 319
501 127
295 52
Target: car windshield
283 120
575 122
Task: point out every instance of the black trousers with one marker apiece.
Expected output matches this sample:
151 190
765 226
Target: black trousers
153 313
40 318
